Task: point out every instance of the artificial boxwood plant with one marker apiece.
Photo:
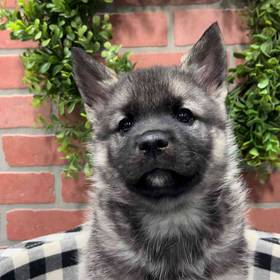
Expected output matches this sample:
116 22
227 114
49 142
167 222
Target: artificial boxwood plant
57 26
254 104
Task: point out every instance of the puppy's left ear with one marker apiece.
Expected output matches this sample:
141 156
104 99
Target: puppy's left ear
207 63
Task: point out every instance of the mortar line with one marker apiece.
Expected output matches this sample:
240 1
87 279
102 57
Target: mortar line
3 227
3 163
11 52
30 169
168 48
43 206
57 187
24 131
16 91
266 205
230 57
170 29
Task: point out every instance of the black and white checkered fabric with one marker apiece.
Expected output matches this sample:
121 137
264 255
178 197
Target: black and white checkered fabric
51 257
54 257
266 255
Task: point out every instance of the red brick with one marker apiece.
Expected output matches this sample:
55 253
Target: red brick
75 190
190 24
161 2
26 224
17 111
265 219
140 29
11 72
23 150
143 60
268 192
10 3
7 43
26 188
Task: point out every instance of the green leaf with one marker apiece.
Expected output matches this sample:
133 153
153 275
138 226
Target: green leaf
107 45
96 20
38 35
45 42
36 101
273 61
45 67
263 84
254 152
71 107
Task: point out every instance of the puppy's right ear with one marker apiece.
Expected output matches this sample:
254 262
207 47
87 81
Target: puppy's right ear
92 78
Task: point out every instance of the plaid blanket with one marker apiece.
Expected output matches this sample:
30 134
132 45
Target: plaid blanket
54 257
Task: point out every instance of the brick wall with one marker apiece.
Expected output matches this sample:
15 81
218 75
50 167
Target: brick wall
35 198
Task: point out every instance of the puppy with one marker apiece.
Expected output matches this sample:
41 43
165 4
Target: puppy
167 203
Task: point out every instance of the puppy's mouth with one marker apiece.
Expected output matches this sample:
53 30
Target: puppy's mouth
161 183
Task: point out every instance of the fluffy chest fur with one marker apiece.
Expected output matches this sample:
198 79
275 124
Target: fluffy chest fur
192 241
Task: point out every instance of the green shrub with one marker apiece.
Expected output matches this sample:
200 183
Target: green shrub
57 26
254 104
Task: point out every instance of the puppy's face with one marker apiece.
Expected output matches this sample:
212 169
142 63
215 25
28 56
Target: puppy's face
154 126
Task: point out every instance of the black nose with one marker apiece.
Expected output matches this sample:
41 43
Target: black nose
153 141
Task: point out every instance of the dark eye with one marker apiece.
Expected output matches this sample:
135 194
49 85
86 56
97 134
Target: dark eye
125 124
185 115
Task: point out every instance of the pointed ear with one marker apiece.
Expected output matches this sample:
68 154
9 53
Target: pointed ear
207 63
92 78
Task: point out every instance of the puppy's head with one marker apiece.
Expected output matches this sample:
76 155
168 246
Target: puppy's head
155 127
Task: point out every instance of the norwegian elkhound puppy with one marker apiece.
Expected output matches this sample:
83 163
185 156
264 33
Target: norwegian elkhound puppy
167 202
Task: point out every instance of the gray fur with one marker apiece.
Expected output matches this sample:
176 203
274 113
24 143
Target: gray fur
141 226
